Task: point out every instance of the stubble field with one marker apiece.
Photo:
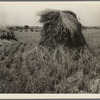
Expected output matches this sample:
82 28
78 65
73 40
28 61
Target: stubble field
23 68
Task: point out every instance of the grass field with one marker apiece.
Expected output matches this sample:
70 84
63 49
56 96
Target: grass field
23 36
93 39
23 68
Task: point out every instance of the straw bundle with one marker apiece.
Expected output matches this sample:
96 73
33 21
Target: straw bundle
61 28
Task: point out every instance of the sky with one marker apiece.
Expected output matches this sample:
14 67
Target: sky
26 13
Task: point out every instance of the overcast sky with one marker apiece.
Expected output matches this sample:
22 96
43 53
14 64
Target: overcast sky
25 13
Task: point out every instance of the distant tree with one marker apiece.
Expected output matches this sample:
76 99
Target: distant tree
17 27
26 27
11 28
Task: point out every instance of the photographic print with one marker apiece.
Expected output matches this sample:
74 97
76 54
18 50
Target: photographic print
50 47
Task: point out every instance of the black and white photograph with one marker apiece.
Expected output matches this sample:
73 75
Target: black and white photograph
50 47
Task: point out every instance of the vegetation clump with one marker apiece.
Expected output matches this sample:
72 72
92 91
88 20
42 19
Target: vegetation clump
61 28
7 34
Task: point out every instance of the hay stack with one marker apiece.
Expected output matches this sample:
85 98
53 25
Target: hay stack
61 28
62 36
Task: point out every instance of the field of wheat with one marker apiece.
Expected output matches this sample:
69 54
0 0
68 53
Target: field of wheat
23 68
